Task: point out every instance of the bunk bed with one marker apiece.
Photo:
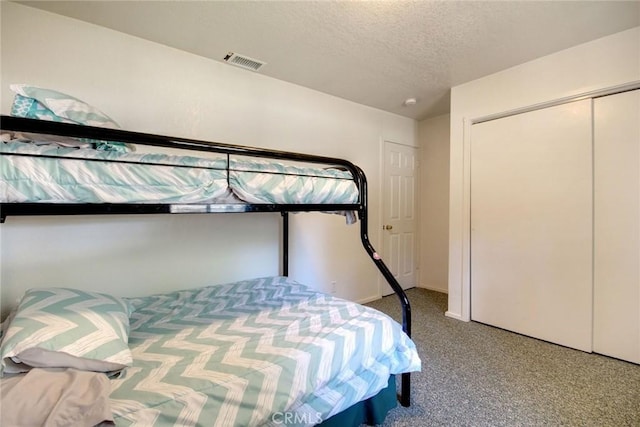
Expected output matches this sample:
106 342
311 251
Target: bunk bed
39 178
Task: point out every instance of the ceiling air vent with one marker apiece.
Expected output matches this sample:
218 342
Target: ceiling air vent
243 61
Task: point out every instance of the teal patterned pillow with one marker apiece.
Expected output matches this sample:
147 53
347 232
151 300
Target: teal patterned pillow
67 328
46 104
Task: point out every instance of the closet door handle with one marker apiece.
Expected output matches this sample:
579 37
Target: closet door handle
387 227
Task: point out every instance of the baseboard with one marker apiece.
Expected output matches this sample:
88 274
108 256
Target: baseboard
369 299
434 288
455 316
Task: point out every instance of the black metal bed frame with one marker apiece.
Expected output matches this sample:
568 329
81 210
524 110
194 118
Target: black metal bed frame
16 124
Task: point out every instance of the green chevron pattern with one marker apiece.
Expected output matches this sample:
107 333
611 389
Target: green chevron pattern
54 174
262 182
236 354
58 175
60 327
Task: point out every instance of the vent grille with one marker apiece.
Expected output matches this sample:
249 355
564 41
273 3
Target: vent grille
243 61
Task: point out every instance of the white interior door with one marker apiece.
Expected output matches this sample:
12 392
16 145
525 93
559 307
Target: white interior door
399 214
616 305
531 224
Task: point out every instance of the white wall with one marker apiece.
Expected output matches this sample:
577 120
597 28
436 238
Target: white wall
434 137
152 88
600 64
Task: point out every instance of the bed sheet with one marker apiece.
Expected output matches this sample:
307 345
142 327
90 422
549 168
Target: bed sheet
33 173
55 174
257 181
248 353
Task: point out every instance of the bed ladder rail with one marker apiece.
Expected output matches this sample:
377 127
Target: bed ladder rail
405 388
285 243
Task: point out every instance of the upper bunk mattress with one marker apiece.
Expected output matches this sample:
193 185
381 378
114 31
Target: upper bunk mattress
239 354
52 174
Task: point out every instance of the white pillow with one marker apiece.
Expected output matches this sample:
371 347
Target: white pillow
63 106
45 104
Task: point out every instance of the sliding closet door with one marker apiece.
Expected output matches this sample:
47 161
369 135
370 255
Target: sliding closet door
531 224
617 226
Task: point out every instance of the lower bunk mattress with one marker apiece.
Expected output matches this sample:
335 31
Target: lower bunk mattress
254 353
258 352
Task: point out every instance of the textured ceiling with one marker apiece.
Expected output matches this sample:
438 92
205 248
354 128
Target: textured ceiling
376 53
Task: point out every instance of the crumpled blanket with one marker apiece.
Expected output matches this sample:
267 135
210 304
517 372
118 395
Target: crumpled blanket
55 397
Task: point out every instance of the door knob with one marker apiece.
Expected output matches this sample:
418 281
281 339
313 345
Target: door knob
387 227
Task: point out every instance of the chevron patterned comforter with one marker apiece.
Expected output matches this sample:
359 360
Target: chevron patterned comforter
254 353
32 173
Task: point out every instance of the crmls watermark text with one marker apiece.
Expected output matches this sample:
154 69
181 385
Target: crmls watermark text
296 418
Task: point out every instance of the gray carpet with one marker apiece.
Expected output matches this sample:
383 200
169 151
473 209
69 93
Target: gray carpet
478 375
